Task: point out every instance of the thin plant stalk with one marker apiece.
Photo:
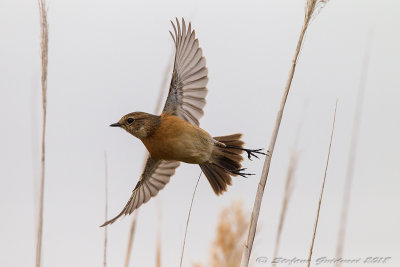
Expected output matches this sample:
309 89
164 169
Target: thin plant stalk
311 7
158 249
322 190
286 198
157 108
289 184
44 59
188 219
130 240
105 208
352 154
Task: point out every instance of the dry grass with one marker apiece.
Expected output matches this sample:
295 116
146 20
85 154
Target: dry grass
158 248
289 185
44 54
286 198
130 240
188 219
311 8
352 154
226 249
322 188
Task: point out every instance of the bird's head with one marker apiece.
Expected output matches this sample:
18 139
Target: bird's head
139 124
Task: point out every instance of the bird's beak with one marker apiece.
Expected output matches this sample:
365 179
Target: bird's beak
117 124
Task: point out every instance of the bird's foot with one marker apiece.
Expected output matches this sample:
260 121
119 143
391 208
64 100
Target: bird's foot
240 172
250 152
236 172
254 152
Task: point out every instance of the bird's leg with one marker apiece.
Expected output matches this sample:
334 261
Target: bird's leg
237 172
250 152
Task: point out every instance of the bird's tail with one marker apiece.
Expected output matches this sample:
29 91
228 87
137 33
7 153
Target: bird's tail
225 162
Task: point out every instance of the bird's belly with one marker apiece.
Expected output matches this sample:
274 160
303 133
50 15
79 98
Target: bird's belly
185 147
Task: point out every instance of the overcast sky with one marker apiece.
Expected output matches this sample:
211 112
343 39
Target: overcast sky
108 58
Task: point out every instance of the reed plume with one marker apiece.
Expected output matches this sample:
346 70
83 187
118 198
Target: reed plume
226 249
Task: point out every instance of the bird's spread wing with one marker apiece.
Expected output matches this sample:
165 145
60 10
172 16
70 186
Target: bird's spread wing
187 92
156 175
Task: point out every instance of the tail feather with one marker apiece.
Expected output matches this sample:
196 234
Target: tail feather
218 178
224 158
232 140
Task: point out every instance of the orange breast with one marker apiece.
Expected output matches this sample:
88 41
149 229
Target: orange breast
176 139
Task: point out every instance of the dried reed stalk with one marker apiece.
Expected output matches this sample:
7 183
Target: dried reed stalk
311 7
105 208
322 188
285 201
44 54
130 240
161 91
158 249
289 184
188 218
352 154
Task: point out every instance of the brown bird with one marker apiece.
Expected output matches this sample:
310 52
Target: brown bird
175 135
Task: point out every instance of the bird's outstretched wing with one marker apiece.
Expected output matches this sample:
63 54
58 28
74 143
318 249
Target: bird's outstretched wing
156 175
187 92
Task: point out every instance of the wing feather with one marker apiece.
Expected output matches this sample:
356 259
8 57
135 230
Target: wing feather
201 74
156 175
187 91
188 45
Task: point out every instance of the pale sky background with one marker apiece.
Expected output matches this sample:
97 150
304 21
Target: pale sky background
108 58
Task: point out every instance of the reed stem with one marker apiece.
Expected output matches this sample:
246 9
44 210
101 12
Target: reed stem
44 53
322 189
311 6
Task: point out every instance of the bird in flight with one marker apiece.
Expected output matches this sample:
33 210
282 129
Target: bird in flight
175 135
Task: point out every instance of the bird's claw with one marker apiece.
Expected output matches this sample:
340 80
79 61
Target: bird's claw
250 152
253 152
240 173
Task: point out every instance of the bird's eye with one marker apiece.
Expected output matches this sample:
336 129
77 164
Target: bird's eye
130 120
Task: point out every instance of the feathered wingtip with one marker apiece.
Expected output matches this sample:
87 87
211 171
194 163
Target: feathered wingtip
178 31
125 211
113 219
